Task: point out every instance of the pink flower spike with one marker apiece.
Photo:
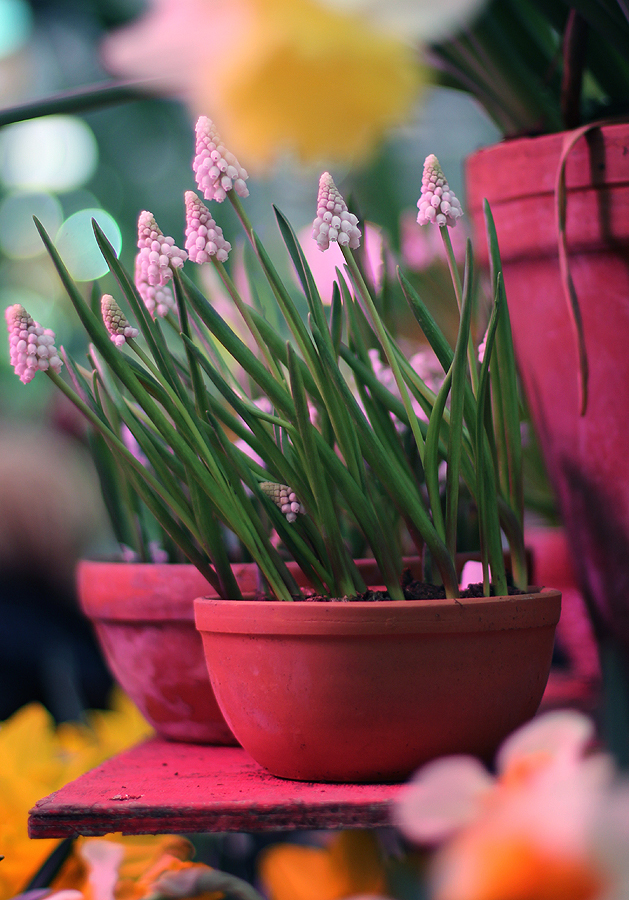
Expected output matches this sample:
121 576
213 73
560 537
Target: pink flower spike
158 299
216 169
437 203
115 321
158 254
31 347
334 222
204 238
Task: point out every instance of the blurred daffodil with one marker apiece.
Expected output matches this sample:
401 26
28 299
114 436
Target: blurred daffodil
37 758
320 79
314 81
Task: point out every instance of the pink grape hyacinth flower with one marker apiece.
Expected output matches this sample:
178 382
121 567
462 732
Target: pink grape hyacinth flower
334 222
32 348
204 238
158 253
115 321
216 169
158 299
154 264
437 203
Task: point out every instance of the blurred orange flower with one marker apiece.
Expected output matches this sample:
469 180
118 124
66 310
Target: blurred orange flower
546 828
350 865
124 867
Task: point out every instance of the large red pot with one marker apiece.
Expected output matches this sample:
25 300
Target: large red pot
587 456
368 691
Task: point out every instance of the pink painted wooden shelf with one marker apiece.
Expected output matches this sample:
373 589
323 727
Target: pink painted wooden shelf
162 787
159 787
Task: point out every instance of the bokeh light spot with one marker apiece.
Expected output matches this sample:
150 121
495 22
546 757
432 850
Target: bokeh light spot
77 245
52 153
47 312
19 239
16 22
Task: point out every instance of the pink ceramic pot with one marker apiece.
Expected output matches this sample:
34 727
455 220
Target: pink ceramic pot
578 684
587 457
366 692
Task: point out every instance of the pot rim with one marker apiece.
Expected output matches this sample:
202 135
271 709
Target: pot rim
536 158
539 608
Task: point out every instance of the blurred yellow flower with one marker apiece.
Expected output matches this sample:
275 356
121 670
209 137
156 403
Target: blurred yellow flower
37 758
351 864
314 81
275 75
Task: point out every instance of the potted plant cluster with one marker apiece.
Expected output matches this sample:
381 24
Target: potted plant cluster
555 78
323 669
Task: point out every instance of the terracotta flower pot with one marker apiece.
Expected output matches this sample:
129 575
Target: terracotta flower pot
367 692
587 457
144 620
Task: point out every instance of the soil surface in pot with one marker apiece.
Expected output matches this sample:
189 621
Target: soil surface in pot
412 588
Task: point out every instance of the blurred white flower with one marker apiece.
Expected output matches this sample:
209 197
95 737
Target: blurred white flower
418 20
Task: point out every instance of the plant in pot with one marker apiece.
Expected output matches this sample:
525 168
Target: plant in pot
321 675
555 78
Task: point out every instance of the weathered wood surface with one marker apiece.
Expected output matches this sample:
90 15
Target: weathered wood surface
162 787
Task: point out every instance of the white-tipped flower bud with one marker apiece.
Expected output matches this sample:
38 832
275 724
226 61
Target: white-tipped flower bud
334 222
158 254
284 498
31 347
204 238
115 321
216 169
437 204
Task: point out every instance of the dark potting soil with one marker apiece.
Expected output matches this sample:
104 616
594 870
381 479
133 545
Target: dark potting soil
412 588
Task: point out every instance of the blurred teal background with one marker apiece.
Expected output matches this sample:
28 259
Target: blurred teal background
136 155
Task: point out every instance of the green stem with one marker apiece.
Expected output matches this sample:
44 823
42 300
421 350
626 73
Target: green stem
458 290
459 382
383 337
83 99
431 468
135 464
376 456
245 312
239 209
